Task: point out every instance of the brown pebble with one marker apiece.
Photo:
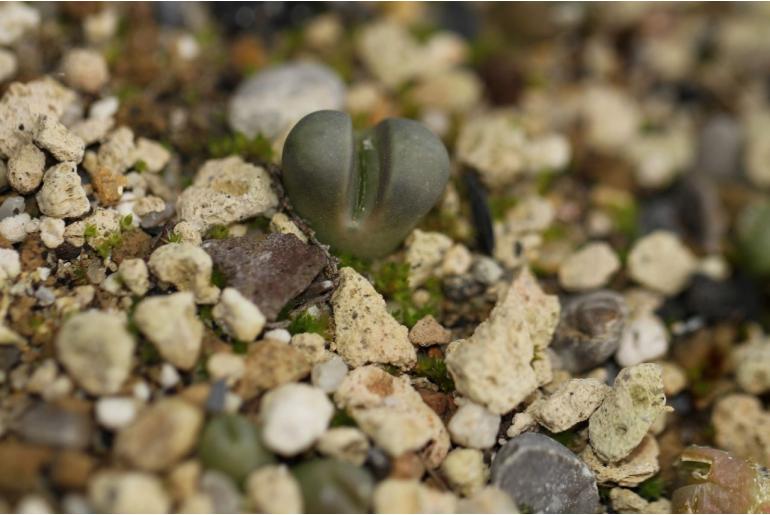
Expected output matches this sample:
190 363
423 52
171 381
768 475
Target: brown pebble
133 244
427 331
21 466
441 403
32 253
71 469
270 363
108 185
407 466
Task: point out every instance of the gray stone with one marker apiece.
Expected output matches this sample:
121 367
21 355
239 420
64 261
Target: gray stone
47 424
543 476
271 101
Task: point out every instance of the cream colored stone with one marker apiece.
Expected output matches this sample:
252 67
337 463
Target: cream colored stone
661 262
63 144
344 443
740 425
574 401
118 151
641 464
238 316
627 501
25 168
154 155
424 253
283 224
410 496
85 69
62 194
134 275
465 471
312 345
589 268
227 366
52 231
187 267
272 489
171 324
117 491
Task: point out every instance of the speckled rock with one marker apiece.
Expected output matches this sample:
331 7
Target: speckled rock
58 140
641 464
424 254
293 416
268 272
628 412
364 330
117 491
410 496
25 168
85 69
661 262
238 316
752 366
393 414
224 191
270 363
152 154
427 331
161 435
572 402
118 151
494 366
590 267
543 476
740 426
62 194
187 267
96 349
474 426
171 324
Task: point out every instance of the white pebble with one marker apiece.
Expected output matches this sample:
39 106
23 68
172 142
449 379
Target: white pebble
294 416
278 335
644 339
115 412
474 426
13 228
329 374
169 377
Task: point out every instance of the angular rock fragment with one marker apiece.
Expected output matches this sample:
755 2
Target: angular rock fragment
641 464
62 194
187 267
573 402
270 363
171 324
58 140
25 168
270 272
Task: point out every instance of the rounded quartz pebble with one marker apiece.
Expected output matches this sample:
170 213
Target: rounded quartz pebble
329 374
474 426
543 476
332 486
231 444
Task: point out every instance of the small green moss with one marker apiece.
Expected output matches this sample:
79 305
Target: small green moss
436 371
626 218
127 222
360 265
500 204
218 232
240 347
392 370
89 231
567 438
257 148
218 279
261 223
148 354
391 279
652 489
140 166
174 237
341 418
307 323
110 242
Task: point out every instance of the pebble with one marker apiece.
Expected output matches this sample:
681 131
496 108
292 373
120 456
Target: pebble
611 116
92 130
411 496
752 366
10 265
453 91
424 253
489 499
231 444
118 152
278 335
221 492
494 366
272 489
115 412
640 465
543 476
474 426
486 270
328 375
25 168
283 224
312 345
590 330
171 324
390 53
465 471
135 276
427 331
269 272
393 414
114 491
238 316
348 444
225 191
154 155
97 350
168 377
331 486
271 363
645 338
589 268
52 231
227 366
272 101
161 434
101 26
85 69
33 504
661 262
365 332
740 427
627 501
14 228
64 145
187 267
12 206
628 411
572 402
62 194
16 19
457 260
294 415
49 425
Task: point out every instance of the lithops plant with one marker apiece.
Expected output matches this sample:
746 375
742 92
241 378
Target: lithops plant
717 482
362 192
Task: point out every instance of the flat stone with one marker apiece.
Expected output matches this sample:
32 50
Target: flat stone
427 331
641 464
571 403
270 363
543 476
50 425
270 272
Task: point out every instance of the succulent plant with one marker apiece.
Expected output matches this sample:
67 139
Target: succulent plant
332 486
231 444
754 237
362 192
717 482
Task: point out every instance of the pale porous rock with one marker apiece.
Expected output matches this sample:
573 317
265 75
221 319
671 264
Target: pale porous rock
149 204
465 471
424 254
627 412
92 130
344 443
62 194
283 224
453 91
641 464
52 231
187 267
674 378
393 414
474 426
522 422
162 434
10 265
571 403
271 363
328 375
154 155
489 499
117 491
16 19
457 260
188 233
411 496
627 501
14 228
170 323
757 148
611 116
293 416
659 157
589 268
645 338
118 152
8 65
225 191
227 366
494 367
238 316
500 147
389 52
85 69
312 345
135 276
115 412
661 262
97 350
740 425
427 331
272 489
58 140
23 104
364 330
752 366
25 168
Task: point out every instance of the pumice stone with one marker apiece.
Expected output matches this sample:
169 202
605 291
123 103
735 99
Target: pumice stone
363 192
